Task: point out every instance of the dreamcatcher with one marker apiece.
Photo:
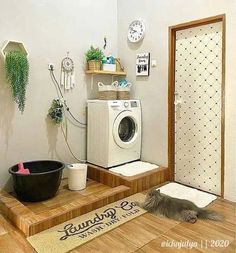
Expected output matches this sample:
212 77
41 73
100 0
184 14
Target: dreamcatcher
67 73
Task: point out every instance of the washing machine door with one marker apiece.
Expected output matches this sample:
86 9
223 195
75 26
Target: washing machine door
125 129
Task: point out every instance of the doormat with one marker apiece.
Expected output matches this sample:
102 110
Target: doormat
77 231
179 191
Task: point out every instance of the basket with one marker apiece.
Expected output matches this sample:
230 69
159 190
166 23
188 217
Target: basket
94 65
107 92
123 93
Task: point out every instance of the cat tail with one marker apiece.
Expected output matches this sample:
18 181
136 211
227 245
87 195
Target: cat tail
211 215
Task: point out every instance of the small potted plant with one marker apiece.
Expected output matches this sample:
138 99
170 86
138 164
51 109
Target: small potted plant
94 57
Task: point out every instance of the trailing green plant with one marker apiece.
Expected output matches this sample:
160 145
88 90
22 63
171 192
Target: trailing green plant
94 54
17 74
55 112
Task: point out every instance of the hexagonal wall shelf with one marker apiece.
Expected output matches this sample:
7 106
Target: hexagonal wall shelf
11 45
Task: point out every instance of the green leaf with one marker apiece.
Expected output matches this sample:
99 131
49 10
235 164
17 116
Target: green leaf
17 74
94 54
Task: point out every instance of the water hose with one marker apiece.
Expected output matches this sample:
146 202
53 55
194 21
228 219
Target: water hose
67 109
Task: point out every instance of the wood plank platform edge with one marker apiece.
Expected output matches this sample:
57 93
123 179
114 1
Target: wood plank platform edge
136 183
30 223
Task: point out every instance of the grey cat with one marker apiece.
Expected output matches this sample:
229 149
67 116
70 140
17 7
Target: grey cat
177 209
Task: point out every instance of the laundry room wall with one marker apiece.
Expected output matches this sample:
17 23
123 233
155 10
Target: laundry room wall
153 90
49 29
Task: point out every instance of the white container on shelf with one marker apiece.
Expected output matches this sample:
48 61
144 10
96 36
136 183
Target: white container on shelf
77 175
109 67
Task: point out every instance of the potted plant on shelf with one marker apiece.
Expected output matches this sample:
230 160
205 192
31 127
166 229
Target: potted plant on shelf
17 74
94 57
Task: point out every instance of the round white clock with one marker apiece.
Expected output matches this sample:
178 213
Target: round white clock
136 31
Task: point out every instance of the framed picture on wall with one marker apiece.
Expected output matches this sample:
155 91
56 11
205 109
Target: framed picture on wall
143 64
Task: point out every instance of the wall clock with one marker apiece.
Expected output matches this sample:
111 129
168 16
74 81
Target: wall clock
136 31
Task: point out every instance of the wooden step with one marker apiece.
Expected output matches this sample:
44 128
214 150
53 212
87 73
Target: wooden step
103 187
136 183
32 218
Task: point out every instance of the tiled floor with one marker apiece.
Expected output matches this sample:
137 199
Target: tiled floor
146 233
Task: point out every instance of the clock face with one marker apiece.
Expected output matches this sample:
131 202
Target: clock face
136 31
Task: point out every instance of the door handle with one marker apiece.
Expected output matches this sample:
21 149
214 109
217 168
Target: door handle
178 102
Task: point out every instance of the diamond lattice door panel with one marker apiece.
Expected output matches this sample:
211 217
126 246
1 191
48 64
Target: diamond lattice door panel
198 79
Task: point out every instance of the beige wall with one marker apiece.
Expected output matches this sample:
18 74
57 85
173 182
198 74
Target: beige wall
49 29
153 91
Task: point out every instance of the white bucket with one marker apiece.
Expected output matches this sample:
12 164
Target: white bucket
77 175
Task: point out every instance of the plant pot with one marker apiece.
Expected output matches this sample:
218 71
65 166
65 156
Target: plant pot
94 65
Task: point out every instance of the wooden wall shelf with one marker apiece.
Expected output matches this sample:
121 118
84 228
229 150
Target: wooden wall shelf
105 72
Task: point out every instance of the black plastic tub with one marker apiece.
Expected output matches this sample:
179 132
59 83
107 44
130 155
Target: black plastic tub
42 183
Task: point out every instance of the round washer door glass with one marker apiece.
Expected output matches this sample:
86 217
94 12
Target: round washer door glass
125 130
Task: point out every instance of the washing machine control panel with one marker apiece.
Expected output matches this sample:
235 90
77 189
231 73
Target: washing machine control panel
131 104
134 103
116 105
126 104
121 104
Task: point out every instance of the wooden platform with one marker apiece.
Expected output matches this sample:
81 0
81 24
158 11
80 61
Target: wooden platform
103 187
146 234
136 183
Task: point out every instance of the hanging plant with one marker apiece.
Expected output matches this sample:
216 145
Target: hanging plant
17 74
55 112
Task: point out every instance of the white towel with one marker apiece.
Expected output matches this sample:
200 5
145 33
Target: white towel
134 168
199 198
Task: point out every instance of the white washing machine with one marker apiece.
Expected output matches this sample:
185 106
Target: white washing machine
114 132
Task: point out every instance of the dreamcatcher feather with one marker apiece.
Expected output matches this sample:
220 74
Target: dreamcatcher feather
67 79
